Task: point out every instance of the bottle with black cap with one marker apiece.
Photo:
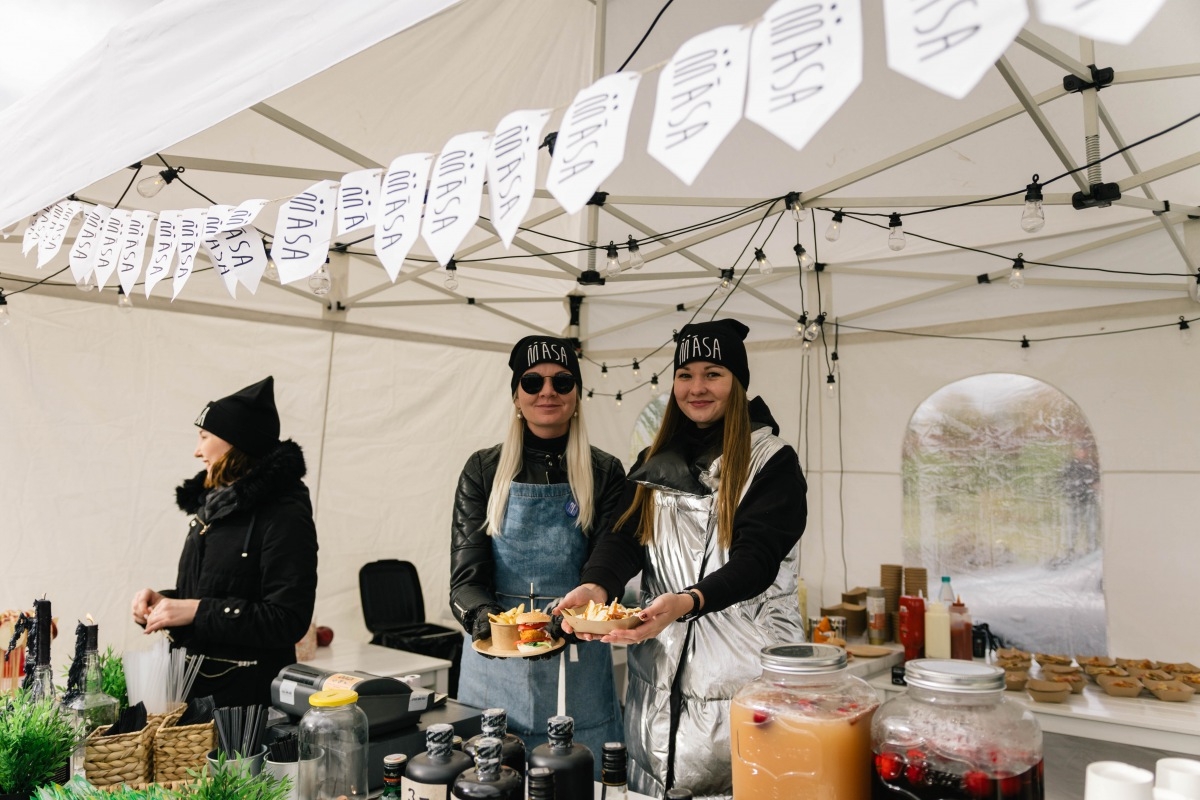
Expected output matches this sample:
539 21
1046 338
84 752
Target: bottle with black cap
393 774
431 774
614 775
541 783
489 780
495 723
572 762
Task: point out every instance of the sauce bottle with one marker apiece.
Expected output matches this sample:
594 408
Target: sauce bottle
489 780
573 764
960 631
432 773
937 630
495 723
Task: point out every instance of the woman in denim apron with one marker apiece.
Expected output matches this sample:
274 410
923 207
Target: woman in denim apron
525 514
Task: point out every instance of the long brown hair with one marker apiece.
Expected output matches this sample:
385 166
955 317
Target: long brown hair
735 467
228 468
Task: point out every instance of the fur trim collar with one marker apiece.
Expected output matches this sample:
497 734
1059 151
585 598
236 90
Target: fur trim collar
273 476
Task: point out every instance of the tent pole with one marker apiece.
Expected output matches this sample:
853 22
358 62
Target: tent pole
1039 119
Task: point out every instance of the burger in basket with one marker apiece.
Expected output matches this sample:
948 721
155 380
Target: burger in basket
532 636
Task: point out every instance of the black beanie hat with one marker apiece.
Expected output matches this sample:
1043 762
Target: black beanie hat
717 342
540 350
247 419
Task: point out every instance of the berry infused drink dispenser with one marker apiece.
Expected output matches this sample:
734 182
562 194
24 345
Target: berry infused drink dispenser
953 736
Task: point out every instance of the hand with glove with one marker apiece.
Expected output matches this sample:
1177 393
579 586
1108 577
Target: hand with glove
481 626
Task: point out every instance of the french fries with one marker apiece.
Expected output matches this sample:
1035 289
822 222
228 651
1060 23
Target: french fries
602 613
507 617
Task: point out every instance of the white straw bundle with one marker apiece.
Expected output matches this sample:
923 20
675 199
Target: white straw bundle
180 675
146 675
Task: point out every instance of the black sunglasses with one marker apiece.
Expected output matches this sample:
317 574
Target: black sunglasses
532 383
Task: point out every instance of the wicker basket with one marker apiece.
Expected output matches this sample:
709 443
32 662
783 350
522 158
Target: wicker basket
124 758
180 748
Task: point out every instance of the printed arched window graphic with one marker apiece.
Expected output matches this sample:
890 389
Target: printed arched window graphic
646 426
1002 492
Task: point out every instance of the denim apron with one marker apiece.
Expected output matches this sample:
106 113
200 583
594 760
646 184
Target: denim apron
540 542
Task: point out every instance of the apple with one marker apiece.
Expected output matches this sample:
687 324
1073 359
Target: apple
324 636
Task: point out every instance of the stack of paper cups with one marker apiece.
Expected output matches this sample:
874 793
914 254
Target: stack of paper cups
1177 778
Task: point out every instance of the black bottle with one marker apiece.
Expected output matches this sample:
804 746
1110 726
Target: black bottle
614 773
393 774
512 753
490 779
541 783
572 763
432 773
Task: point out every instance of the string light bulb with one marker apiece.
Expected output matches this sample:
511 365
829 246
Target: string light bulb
5 318
618 398
726 284
895 232
271 273
654 379
1185 331
792 201
124 303
319 283
604 370
764 264
813 329
1016 278
451 281
86 283
636 368
834 231
1025 348
636 260
614 260
830 385
148 187
1033 217
803 258
589 395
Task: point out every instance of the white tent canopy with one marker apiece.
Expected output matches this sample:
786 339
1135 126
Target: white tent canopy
389 387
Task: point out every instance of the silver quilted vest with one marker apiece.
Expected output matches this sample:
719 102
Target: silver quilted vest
721 653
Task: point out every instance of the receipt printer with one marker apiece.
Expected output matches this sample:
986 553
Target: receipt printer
389 703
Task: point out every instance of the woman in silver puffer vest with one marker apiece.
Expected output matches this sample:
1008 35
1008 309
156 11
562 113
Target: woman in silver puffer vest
714 512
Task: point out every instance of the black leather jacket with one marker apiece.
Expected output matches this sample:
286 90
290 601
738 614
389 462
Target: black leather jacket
472 573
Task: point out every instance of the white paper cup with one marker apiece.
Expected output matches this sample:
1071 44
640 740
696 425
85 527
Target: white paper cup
302 774
1114 780
1179 775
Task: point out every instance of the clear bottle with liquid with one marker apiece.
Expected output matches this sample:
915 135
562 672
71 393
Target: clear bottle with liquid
960 631
573 764
431 774
88 705
494 722
489 779
946 592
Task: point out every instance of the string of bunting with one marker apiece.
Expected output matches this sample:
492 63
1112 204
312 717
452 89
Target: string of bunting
789 72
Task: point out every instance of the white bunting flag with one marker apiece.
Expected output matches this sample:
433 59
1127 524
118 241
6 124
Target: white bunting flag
512 169
303 232
56 231
701 94
246 256
166 239
214 243
111 237
214 220
33 232
455 193
133 249
805 62
358 195
191 233
399 220
1114 21
240 216
948 45
86 249
591 142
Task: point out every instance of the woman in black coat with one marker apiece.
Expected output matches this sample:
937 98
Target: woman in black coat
247 576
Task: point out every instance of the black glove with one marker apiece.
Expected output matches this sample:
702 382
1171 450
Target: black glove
556 631
481 626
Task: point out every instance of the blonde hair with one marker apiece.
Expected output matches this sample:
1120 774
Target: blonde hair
579 471
734 472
